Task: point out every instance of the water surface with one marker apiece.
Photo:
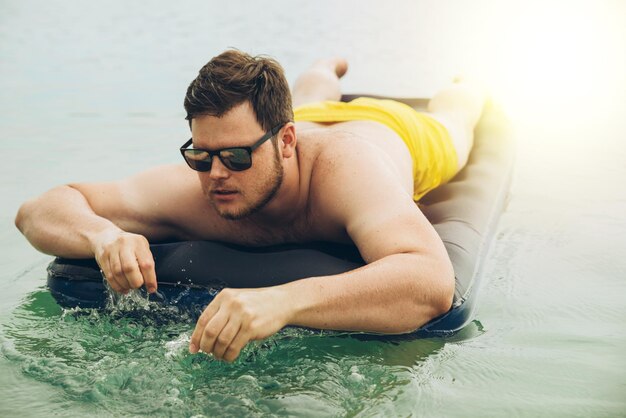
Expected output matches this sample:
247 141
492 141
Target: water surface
94 92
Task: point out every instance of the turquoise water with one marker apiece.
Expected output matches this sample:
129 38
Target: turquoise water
94 92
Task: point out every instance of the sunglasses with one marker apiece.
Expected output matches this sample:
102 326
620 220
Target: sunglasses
233 158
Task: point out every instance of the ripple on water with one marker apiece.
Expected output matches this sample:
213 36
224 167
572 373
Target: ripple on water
133 359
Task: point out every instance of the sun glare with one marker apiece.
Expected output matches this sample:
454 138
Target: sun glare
558 57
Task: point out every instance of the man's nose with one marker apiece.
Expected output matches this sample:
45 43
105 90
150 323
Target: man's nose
218 170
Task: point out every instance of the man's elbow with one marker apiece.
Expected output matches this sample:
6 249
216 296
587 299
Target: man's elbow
31 211
22 215
445 290
443 296
437 303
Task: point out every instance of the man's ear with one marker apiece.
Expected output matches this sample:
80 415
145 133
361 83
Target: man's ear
288 140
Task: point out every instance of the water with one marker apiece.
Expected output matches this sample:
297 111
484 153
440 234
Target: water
94 92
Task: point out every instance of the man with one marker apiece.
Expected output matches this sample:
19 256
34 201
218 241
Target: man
341 172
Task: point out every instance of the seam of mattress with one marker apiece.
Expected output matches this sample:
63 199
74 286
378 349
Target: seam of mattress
485 244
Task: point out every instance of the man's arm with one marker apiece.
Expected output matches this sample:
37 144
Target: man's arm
108 221
408 279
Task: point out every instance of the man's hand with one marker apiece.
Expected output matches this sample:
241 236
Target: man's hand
126 261
237 316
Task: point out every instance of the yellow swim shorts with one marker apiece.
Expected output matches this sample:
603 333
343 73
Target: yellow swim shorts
429 143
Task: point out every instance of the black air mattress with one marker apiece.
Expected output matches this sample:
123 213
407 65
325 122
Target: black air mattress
464 212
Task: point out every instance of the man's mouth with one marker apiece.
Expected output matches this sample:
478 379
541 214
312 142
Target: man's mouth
224 191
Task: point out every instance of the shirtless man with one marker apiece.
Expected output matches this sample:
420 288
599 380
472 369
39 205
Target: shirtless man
302 181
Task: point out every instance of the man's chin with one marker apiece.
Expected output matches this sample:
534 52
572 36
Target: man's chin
231 212
232 216
237 213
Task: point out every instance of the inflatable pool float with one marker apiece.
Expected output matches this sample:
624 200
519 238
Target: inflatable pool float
464 212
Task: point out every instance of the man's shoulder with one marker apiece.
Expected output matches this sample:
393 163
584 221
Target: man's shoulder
326 148
164 183
344 165
344 155
170 195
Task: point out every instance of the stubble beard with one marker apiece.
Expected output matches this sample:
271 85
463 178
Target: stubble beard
270 191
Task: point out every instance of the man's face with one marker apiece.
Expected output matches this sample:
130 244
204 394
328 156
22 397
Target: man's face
237 194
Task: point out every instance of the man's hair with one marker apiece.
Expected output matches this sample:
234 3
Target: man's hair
234 77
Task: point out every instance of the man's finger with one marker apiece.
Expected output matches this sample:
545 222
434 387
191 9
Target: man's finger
115 267
226 337
130 268
241 339
212 331
108 275
209 311
146 266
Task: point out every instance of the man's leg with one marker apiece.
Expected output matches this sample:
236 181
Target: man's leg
459 107
320 82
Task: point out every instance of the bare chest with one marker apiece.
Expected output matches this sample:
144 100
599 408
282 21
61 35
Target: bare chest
253 233
194 219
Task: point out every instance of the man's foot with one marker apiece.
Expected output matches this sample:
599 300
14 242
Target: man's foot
474 94
320 82
337 65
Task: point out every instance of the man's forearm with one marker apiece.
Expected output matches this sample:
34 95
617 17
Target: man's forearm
62 223
396 294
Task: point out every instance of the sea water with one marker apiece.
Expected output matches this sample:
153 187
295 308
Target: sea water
93 91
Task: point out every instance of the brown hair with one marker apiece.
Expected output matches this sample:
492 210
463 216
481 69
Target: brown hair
234 77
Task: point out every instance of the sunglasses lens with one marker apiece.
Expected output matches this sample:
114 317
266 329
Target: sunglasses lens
236 159
198 160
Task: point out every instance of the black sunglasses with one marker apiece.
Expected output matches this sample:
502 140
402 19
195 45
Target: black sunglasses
233 158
